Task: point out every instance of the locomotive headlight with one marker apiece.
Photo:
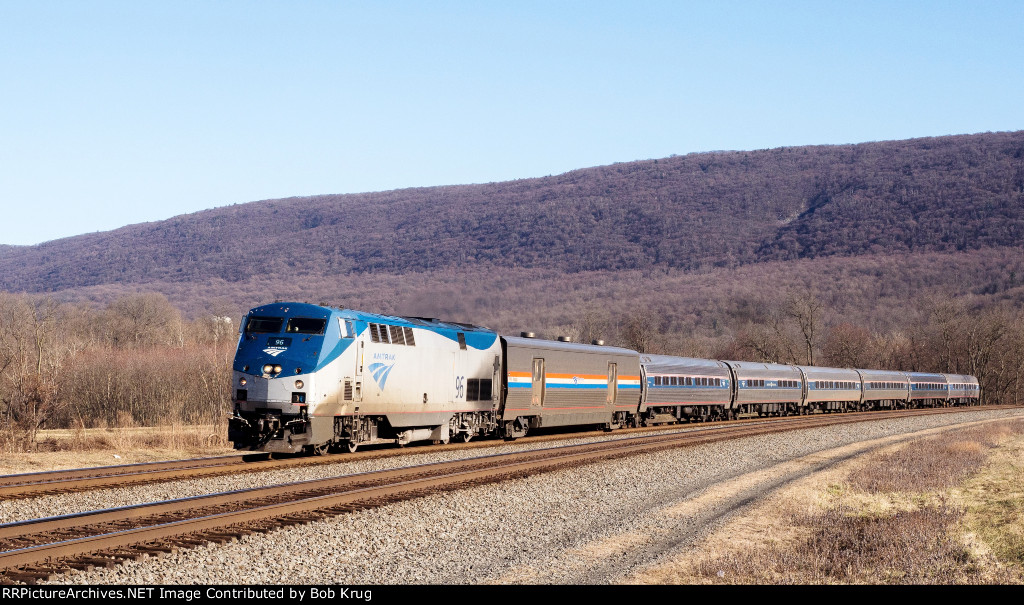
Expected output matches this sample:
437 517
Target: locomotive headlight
299 384
268 369
277 369
242 381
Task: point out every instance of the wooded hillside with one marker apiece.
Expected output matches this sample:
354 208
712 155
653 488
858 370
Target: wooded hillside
707 210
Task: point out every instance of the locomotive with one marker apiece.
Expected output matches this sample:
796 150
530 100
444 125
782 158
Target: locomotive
308 378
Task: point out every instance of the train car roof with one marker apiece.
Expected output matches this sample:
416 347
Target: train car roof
757 365
672 360
557 345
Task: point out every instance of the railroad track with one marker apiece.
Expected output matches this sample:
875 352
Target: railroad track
44 548
77 480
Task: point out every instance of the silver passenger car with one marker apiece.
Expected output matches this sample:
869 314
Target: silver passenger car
766 388
832 388
553 383
684 388
886 389
963 389
928 389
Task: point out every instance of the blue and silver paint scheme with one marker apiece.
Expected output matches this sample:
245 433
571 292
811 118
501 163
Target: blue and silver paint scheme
402 373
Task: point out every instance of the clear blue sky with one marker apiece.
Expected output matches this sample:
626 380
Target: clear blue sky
123 112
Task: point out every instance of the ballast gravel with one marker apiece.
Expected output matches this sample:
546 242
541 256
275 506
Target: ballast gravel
540 529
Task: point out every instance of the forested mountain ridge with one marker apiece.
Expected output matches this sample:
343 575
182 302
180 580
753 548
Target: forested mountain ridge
721 209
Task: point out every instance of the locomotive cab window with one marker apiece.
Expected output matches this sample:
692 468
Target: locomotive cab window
264 325
306 325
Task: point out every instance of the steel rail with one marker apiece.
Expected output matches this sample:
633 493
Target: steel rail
75 480
345 493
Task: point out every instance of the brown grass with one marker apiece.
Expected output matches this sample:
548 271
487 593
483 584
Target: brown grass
80 447
995 506
844 547
173 436
933 464
943 510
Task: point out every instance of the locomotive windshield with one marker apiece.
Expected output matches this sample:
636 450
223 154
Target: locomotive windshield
264 325
306 325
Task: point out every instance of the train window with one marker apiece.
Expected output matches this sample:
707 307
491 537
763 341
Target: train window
673 381
306 325
689 381
718 382
613 382
657 381
410 339
539 382
348 330
264 325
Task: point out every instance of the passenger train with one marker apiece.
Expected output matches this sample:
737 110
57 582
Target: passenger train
308 378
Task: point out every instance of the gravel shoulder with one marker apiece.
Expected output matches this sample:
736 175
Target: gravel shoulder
601 523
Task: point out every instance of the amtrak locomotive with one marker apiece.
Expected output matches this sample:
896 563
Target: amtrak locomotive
308 378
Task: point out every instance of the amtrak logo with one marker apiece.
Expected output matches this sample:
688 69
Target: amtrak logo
380 372
274 352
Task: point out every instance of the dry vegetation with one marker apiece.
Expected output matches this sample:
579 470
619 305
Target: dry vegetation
943 510
134 363
138 360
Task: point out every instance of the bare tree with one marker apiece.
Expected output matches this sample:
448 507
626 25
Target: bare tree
638 332
847 346
806 310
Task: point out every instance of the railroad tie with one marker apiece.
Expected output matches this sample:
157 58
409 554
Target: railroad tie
29 577
132 554
222 538
99 562
157 550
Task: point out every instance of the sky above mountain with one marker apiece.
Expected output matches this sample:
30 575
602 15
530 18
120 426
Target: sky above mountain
125 112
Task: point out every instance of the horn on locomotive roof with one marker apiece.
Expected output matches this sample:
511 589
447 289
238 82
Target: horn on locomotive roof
565 339
597 341
527 335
